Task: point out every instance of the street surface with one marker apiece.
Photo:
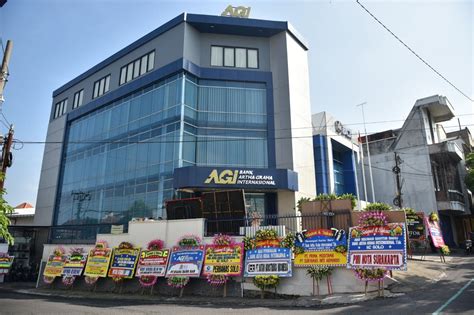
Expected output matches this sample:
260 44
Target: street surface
425 301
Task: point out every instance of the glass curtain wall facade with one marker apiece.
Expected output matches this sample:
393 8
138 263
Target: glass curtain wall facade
118 160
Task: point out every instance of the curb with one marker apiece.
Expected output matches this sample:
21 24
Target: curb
301 302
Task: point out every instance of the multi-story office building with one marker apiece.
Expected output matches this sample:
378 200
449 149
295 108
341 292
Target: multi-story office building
200 103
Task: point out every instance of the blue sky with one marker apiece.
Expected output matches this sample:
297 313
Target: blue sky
352 58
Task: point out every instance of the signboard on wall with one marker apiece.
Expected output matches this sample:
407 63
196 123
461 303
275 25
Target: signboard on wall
98 262
268 261
322 247
378 247
435 232
223 260
54 266
124 261
74 264
230 178
153 263
186 262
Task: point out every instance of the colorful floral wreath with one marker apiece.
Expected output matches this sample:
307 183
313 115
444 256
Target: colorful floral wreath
90 280
149 281
223 240
48 279
370 274
266 282
189 241
373 218
59 251
68 281
216 280
177 282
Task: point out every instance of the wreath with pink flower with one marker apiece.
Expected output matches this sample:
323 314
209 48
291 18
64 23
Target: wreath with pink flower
372 218
149 281
220 240
67 280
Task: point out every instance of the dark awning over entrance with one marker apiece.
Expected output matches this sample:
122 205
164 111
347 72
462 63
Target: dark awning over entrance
234 177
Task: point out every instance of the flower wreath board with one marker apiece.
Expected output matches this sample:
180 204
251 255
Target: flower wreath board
268 259
378 246
98 261
225 260
6 262
124 261
322 247
54 266
75 263
186 262
153 262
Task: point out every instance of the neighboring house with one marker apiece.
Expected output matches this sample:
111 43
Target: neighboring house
23 214
431 166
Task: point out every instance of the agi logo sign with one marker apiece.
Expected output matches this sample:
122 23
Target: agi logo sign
224 177
239 177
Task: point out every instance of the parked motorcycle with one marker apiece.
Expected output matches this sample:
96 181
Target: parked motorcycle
468 250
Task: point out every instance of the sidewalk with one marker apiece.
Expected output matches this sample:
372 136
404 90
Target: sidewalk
302 302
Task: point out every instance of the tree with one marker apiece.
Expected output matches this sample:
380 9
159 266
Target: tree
5 210
469 180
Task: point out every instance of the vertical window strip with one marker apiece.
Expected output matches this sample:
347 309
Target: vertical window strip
151 61
217 56
229 57
137 68
123 75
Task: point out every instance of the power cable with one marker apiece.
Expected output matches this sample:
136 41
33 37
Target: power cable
413 52
231 139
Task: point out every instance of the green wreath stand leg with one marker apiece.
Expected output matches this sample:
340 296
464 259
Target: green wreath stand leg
181 292
262 292
225 289
314 286
366 284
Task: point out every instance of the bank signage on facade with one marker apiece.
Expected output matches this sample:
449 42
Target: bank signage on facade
245 178
378 247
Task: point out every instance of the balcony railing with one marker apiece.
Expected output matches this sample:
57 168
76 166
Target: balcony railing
450 195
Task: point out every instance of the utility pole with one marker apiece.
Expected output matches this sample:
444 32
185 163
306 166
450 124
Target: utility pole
368 151
4 69
7 157
361 151
398 201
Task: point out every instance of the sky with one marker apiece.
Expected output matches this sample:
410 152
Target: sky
352 58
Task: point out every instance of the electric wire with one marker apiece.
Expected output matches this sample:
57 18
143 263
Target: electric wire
413 52
230 139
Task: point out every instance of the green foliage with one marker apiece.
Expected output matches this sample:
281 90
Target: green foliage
469 179
289 242
409 212
377 206
328 197
434 217
249 243
5 210
266 282
302 200
445 250
317 273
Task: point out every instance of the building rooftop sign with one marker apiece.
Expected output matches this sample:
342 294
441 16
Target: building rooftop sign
240 11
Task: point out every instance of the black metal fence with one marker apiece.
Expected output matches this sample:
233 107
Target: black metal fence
291 223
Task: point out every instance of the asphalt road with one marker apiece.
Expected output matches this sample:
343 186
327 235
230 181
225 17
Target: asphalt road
426 301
